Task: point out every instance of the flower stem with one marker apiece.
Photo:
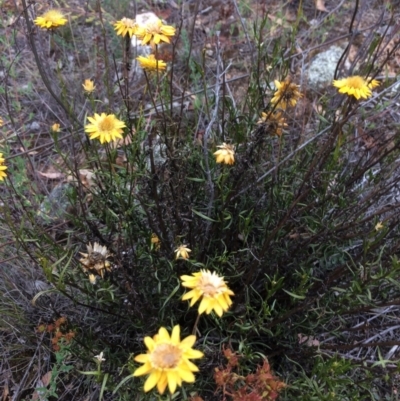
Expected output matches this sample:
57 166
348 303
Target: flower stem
195 324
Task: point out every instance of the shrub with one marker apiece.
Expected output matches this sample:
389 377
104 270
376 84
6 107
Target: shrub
275 205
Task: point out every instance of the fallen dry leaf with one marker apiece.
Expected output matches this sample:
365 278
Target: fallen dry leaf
52 176
320 5
46 379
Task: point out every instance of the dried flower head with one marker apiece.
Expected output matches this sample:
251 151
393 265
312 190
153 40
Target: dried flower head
155 32
167 360
3 168
287 94
126 26
106 127
182 252
356 86
95 261
272 123
88 86
1 122
51 19
379 226
150 63
225 154
211 288
100 358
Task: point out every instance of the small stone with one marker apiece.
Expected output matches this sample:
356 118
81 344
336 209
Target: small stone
35 126
322 67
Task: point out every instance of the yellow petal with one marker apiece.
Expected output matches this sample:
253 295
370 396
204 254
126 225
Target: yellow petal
152 380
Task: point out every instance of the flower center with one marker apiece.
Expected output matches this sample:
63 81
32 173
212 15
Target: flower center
129 23
153 28
53 16
107 124
355 82
211 286
166 356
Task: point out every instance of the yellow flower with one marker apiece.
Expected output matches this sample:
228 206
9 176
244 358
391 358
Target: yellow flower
213 289
155 32
1 122
151 63
106 127
226 154
88 86
55 127
95 261
167 360
126 26
272 123
155 242
356 86
51 19
3 168
287 94
182 252
379 226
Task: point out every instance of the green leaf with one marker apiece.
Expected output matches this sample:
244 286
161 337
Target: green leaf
203 216
294 295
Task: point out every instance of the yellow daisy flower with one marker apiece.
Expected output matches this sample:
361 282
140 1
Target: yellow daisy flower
287 94
95 261
213 290
155 32
356 86
51 19
55 127
126 26
3 168
155 242
182 252
225 154
151 63
88 86
106 127
167 360
272 123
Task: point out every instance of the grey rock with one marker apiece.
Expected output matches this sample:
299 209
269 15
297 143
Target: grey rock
322 67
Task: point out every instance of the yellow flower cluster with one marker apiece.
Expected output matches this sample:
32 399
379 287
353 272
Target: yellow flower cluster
356 86
152 33
88 86
211 288
287 94
225 154
104 126
51 19
150 63
272 123
167 361
3 168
